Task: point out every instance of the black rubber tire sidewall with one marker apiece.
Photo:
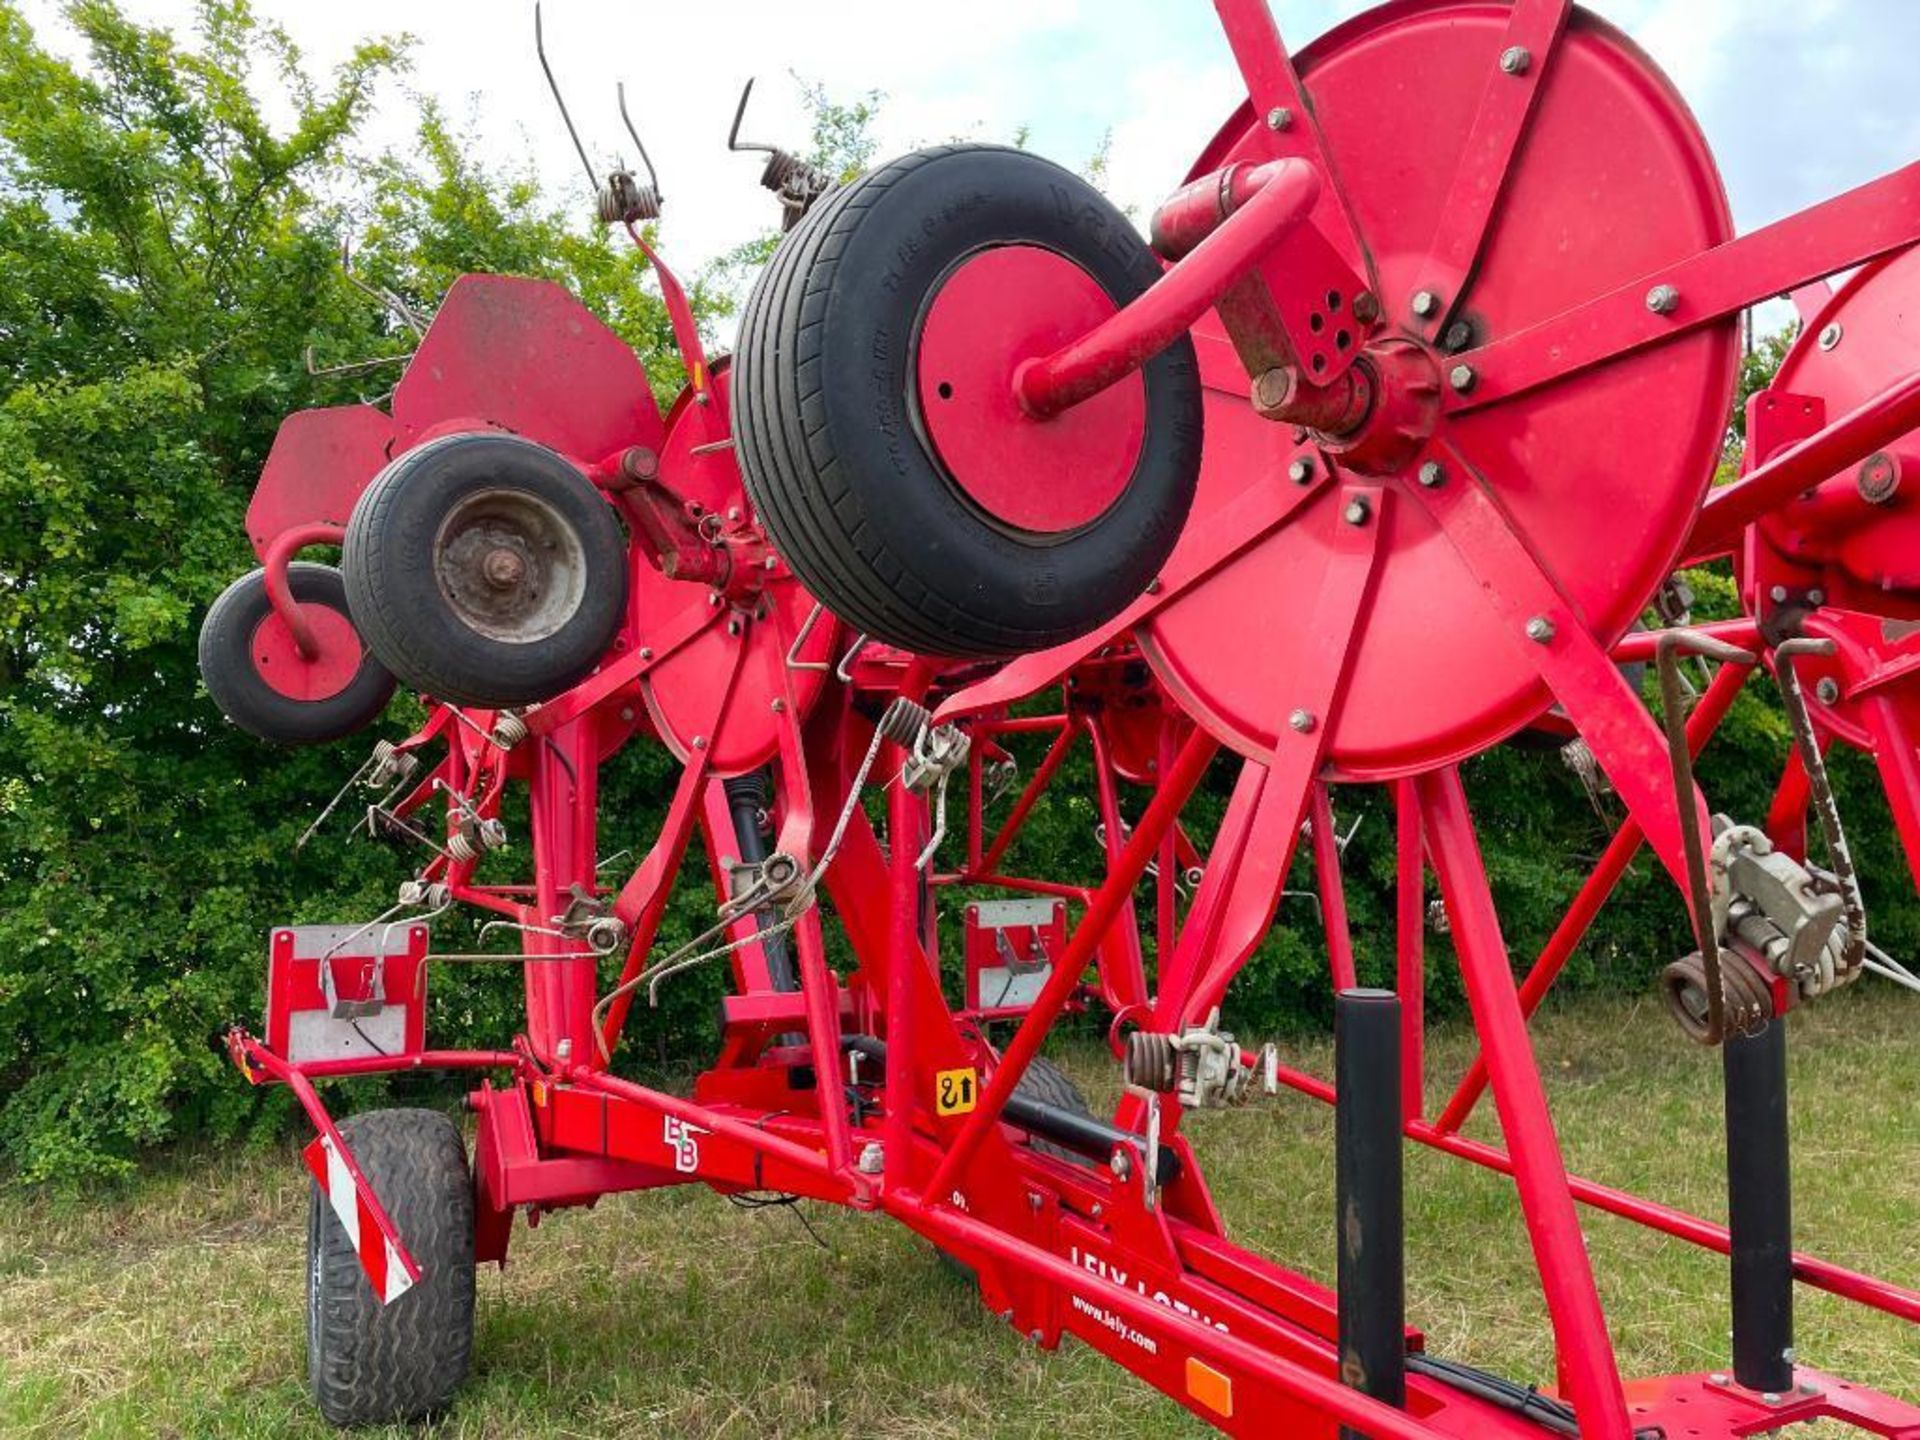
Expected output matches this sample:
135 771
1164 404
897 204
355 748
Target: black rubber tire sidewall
398 604
829 439
373 1364
244 697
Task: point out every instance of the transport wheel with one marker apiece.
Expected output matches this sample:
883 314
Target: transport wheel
484 569
878 431
369 1363
257 676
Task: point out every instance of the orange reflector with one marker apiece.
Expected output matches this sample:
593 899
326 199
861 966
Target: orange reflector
1209 1387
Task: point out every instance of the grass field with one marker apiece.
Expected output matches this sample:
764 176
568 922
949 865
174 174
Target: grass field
174 1308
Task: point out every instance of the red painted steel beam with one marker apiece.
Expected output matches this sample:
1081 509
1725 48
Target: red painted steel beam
1590 1373
1875 424
1876 219
1176 786
1349 1407
1119 346
1599 887
1867 1290
1533 31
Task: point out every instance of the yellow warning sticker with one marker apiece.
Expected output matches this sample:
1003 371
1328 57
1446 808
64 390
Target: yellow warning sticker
956 1091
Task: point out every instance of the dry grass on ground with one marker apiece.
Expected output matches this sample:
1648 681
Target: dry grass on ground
174 1309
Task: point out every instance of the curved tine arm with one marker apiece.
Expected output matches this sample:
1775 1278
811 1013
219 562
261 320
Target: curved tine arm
540 49
1696 642
734 142
653 179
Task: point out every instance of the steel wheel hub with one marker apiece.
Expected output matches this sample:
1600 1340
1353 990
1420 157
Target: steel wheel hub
510 565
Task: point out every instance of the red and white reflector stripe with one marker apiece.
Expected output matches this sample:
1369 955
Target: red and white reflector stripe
390 1269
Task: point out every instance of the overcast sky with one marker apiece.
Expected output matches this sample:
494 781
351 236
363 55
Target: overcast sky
1799 98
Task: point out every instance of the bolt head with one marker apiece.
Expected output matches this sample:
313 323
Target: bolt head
1459 335
1462 378
1301 470
1832 335
1279 118
699 742
1154 585
1770 1398
1778 594
771 562
1366 307
1426 304
646 652
1828 690
1516 60
1302 721
1816 597
1717 1378
1433 474
503 567
1663 299
1540 630
779 707
1357 511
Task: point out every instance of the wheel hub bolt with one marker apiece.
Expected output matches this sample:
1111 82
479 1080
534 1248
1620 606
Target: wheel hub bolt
503 568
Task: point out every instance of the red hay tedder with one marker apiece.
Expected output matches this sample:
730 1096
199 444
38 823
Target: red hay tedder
1330 478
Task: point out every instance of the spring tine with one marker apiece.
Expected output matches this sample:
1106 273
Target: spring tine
1820 786
334 803
794 662
540 49
734 142
1680 757
653 180
853 653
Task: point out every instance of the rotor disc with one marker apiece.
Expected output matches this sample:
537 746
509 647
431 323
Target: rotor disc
1600 475
684 688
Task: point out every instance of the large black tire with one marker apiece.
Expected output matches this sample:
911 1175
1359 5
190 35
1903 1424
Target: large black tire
835 454
417 557
374 1364
242 693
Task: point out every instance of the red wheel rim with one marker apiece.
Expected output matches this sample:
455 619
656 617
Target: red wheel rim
1600 475
993 311
280 665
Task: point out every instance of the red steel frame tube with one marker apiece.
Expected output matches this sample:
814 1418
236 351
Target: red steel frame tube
1333 893
1874 1293
274 564
1123 343
1585 1350
1875 423
905 816
1350 1407
1029 795
1410 938
564 787
1114 893
1599 887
